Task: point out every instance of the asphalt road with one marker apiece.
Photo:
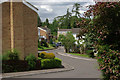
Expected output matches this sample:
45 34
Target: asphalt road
82 68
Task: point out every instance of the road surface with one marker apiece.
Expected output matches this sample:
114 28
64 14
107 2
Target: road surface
82 68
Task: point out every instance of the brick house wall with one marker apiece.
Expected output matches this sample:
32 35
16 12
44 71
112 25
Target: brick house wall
25 29
45 33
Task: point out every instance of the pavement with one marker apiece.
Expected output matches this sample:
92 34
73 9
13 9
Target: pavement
67 67
76 67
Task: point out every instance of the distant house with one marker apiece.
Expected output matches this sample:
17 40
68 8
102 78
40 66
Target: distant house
44 33
19 28
63 31
75 32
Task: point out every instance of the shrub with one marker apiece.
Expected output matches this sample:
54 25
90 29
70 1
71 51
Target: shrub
53 45
31 59
44 43
14 66
18 66
39 45
51 63
90 53
45 55
109 62
11 55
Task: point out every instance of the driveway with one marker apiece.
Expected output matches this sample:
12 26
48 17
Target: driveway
82 68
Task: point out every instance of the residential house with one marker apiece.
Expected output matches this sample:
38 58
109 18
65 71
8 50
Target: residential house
19 28
63 31
75 32
44 33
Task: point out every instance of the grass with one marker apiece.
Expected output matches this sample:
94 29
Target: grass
45 48
82 55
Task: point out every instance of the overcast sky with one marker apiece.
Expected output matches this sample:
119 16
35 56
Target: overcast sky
53 8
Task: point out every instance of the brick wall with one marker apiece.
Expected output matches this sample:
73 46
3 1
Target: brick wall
6 37
43 33
25 29
0 29
30 31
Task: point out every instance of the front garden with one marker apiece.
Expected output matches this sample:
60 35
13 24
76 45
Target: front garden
12 63
44 45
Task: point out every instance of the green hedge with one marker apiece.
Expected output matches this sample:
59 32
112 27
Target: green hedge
51 63
18 66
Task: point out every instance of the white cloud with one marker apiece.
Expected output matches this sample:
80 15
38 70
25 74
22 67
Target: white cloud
46 7
54 1
82 11
53 8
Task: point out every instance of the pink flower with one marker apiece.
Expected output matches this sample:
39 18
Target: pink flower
100 32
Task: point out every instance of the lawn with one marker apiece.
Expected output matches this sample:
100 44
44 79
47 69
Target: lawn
82 55
45 48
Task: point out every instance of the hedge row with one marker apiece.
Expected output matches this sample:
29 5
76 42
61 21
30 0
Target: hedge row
17 66
51 63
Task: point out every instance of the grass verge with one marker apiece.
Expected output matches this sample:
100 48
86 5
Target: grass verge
82 55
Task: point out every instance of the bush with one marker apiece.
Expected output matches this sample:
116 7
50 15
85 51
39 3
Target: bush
51 63
109 62
14 66
53 45
31 59
11 55
17 66
45 55
44 43
90 53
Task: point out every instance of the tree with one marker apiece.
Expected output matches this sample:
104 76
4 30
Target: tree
54 27
76 8
105 32
47 22
39 22
68 41
106 23
61 38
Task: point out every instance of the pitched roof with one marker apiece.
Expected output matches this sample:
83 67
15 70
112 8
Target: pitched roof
44 28
65 30
31 5
25 2
75 30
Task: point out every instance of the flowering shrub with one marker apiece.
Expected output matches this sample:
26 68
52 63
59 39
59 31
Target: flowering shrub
105 30
109 63
45 55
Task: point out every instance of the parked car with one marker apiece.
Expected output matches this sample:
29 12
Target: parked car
59 44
